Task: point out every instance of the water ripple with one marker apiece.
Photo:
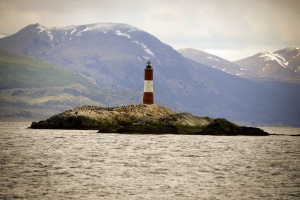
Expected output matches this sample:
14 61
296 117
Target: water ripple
62 164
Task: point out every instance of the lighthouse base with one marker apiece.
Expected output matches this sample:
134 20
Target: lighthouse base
148 98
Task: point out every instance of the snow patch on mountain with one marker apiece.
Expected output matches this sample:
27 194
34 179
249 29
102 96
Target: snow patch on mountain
50 38
136 42
101 26
96 27
239 74
41 28
48 32
109 26
213 58
73 31
279 56
274 57
65 28
118 32
120 29
296 55
146 57
147 50
80 32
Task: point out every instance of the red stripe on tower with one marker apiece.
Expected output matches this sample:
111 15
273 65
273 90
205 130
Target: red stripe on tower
148 85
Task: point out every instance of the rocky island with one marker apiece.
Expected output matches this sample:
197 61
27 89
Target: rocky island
142 119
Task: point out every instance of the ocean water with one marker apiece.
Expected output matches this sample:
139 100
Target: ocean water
76 164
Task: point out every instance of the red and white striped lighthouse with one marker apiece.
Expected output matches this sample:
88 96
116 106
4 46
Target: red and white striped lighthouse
148 85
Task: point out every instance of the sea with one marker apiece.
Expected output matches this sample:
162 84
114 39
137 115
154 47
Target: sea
84 164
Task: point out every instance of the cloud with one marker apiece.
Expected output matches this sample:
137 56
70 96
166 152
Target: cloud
215 25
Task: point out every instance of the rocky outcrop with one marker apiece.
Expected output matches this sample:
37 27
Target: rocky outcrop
93 117
144 119
222 126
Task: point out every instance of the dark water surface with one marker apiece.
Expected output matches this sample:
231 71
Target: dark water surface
72 164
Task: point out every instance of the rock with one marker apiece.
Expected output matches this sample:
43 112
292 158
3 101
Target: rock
297 135
149 129
105 118
187 119
222 126
143 119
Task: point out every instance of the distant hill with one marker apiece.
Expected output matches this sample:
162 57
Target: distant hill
282 64
215 62
115 55
35 89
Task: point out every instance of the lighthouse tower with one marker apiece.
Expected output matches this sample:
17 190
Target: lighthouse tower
148 85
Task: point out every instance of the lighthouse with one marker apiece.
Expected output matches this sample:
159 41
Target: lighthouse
148 85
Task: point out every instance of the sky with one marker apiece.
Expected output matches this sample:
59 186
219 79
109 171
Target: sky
231 29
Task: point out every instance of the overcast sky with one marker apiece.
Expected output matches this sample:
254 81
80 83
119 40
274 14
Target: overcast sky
232 29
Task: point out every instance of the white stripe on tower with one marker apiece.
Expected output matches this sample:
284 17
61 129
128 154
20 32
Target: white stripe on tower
148 85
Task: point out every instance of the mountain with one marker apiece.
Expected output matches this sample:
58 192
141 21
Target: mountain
115 55
282 64
216 62
35 89
105 52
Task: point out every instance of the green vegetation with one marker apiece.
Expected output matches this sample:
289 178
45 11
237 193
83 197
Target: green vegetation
39 89
20 71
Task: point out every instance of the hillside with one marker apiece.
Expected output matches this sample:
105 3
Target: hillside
20 71
30 88
283 64
115 55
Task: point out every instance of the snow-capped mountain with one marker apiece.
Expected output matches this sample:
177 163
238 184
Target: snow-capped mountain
215 62
282 64
115 55
105 52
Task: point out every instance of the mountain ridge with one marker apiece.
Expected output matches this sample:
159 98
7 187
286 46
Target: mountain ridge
215 62
282 64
